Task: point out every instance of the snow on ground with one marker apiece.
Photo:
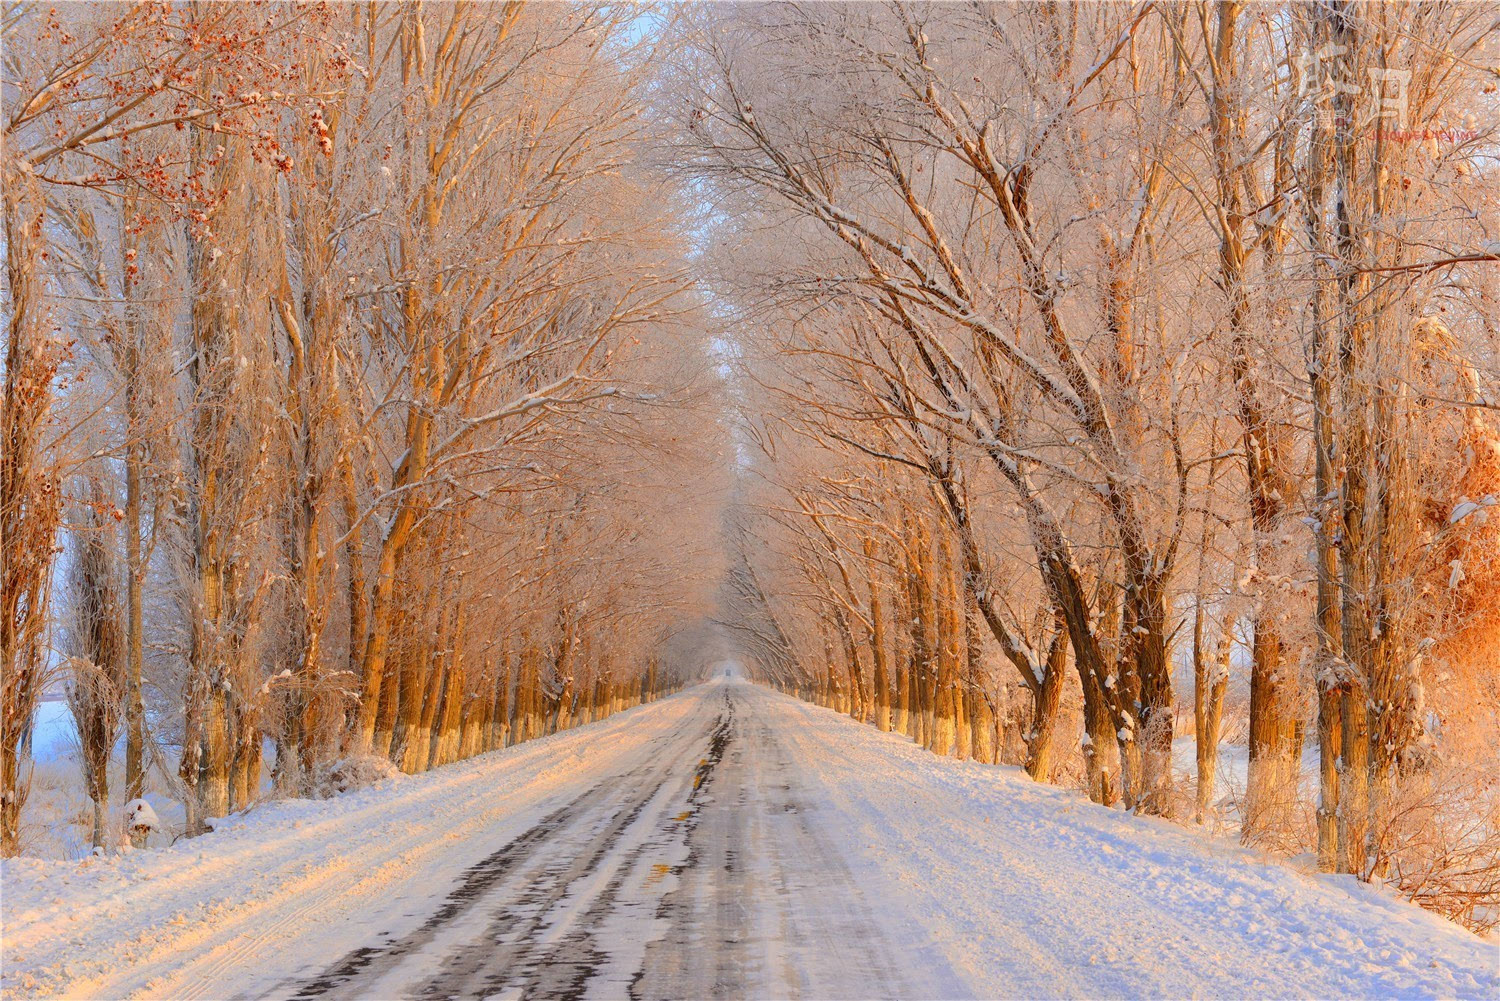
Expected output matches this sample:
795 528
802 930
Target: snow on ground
57 818
726 840
294 883
1031 891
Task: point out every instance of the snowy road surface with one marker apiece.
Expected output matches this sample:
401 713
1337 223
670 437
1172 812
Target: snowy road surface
726 842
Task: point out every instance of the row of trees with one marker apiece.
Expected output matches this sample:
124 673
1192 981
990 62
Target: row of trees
328 329
1126 370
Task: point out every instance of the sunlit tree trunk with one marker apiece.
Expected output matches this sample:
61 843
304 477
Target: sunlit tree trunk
981 711
880 653
903 645
1046 698
945 679
1272 778
30 498
135 565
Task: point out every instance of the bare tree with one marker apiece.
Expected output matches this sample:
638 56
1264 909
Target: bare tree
97 644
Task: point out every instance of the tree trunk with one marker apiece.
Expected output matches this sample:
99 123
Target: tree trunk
981 719
500 714
377 720
1099 749
881 684
1046 697
945 730
1328 669
1210 681
444 750
923 637
135 573
214 781
358 587
30 498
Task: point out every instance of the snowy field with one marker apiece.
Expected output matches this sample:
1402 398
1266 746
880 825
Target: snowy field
57 820
727 840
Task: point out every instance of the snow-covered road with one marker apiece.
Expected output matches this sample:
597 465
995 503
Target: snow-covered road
726 842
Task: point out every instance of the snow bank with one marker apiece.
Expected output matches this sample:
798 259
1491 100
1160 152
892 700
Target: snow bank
346 775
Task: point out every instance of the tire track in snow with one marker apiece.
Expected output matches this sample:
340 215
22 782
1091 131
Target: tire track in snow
540 917
766 906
